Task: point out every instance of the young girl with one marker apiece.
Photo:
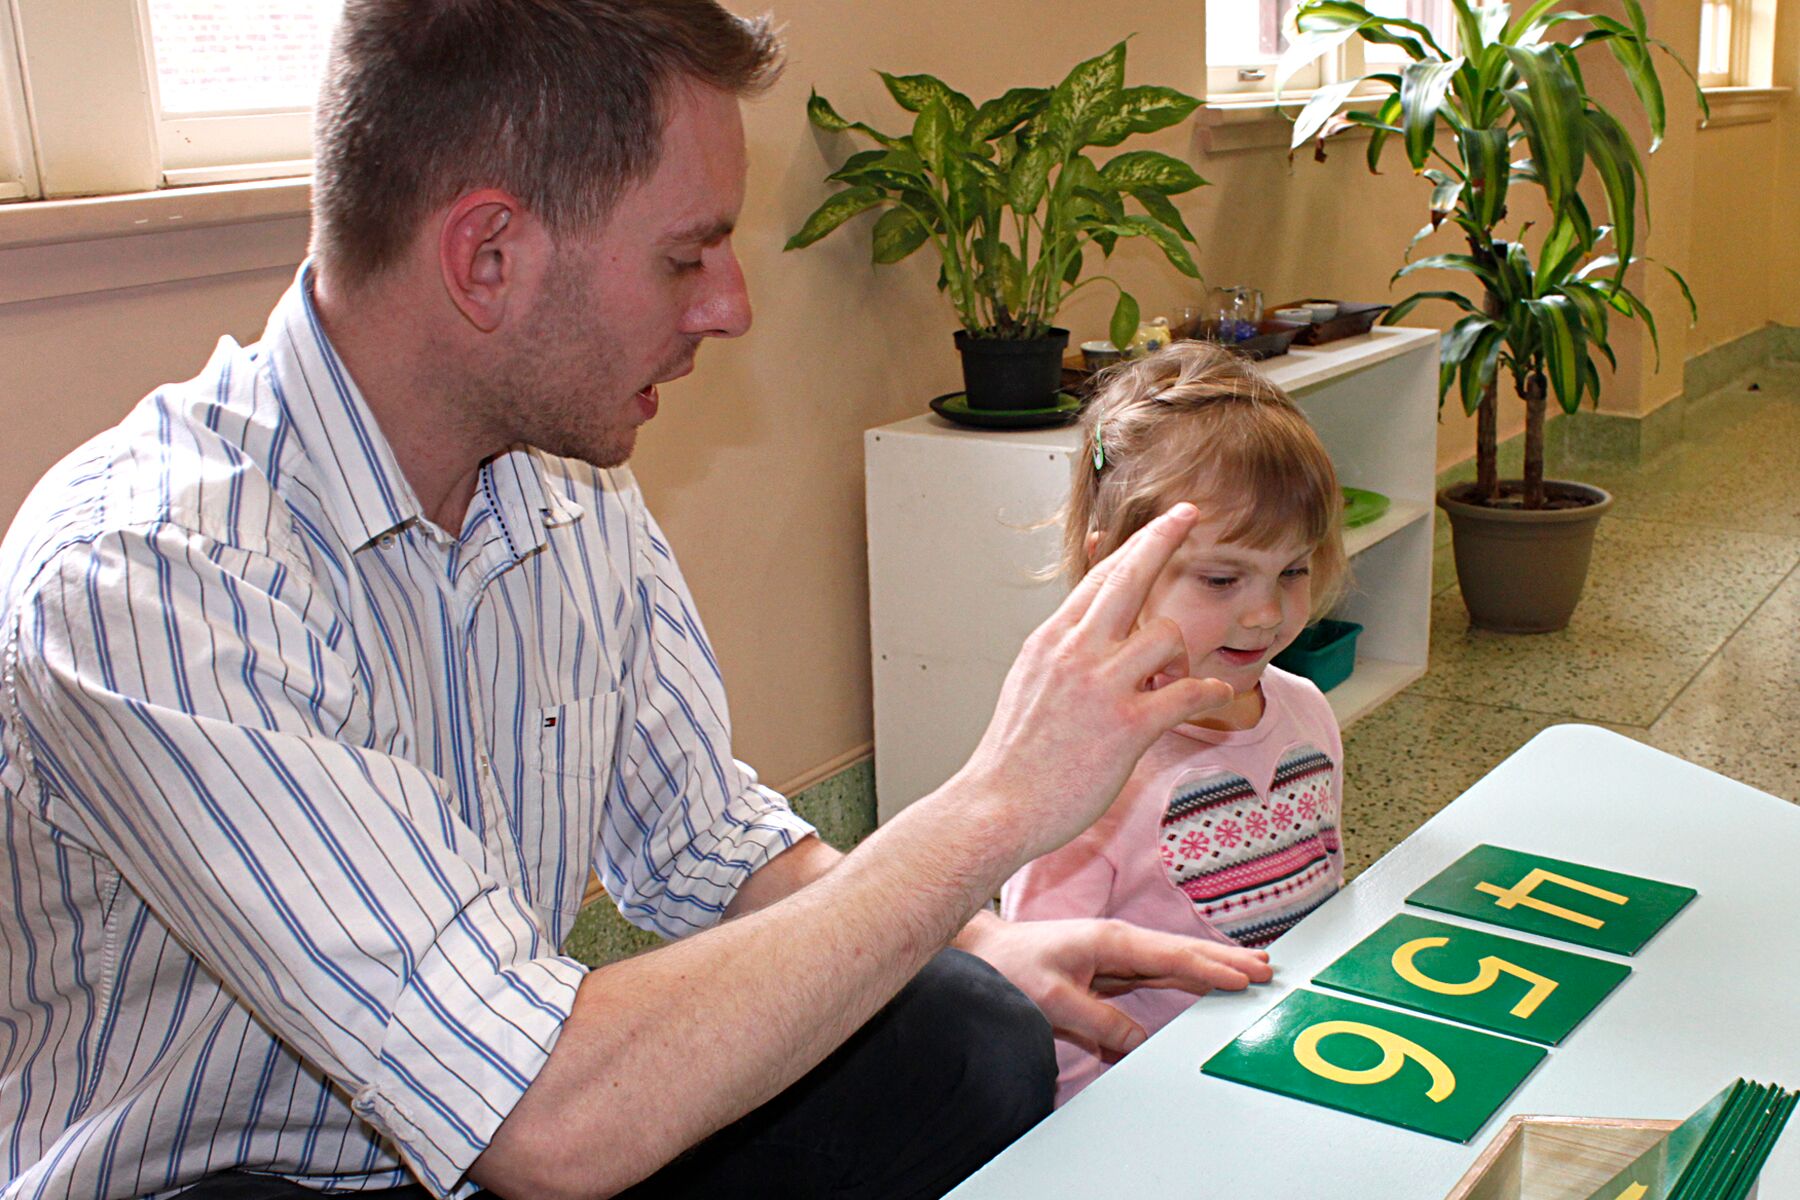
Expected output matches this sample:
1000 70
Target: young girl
1227 829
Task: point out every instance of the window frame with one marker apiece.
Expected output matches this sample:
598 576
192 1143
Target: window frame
217 147
18 165
62 137
1248 80
1737 54
1225 83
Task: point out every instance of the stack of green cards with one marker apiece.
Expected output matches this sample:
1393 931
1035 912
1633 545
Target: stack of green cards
1716 1154
1552 898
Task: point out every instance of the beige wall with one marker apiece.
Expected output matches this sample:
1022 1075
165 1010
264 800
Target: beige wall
1784 247
755 462
1730 267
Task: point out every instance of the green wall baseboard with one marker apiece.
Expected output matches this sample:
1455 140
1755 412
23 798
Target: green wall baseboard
1611 439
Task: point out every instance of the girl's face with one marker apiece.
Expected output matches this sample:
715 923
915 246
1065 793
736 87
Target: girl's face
1237 607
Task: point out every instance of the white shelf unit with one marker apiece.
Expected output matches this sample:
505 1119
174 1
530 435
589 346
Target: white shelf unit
961 534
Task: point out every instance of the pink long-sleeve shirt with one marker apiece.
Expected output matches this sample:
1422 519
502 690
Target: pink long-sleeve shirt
1226 835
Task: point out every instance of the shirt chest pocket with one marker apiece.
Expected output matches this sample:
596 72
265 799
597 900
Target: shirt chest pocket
565 763
575 740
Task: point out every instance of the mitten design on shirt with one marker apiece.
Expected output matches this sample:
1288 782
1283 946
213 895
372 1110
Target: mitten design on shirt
1255 860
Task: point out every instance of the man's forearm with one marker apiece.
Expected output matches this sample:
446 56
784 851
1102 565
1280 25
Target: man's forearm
665 1048
800 864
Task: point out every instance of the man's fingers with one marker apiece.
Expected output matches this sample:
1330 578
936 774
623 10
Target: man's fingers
1155 648
1112 594
1136 957
1083 1019
1186 700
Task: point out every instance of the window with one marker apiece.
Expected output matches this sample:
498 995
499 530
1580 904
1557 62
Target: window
17 177
235 82
1723 25
130 95
1245 39
1439 16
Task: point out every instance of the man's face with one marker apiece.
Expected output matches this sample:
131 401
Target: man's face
625 308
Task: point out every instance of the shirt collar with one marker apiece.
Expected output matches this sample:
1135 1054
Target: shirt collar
366 494
514 488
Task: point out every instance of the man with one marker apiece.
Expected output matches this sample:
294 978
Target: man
329 673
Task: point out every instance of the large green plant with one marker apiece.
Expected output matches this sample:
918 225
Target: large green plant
1007 195
1515 81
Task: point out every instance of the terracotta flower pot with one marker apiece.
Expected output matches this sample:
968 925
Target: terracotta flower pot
1522 570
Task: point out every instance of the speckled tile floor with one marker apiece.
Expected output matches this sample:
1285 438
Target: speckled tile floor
1687 638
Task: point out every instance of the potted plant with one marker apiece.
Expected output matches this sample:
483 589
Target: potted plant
1516 84
1007 195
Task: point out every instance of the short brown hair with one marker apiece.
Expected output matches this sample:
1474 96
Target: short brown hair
560 102
1197 422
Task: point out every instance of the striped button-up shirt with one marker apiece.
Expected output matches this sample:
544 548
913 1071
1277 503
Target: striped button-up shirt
301 791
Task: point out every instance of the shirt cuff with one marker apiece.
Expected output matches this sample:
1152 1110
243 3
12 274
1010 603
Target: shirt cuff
712 863
465 1038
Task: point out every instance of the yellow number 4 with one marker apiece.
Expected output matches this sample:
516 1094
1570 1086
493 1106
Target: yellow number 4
1520 893
1491 970
1395 1050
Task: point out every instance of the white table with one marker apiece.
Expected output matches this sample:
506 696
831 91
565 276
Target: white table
1712 996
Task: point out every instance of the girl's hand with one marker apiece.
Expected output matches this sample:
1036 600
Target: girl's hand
1077 709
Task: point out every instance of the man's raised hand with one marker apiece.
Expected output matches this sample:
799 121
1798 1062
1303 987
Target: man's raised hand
1076 711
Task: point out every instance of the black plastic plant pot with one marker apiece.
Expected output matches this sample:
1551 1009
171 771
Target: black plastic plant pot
1011 375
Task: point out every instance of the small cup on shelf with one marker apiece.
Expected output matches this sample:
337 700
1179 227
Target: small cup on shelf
1097 356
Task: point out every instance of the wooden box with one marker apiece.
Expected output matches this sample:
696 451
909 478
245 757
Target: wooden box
1556 1158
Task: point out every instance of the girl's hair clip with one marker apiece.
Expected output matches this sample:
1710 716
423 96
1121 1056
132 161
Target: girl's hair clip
1099 450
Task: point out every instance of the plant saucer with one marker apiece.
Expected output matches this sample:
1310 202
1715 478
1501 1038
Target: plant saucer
954 407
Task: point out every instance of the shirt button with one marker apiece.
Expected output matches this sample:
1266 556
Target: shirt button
387 541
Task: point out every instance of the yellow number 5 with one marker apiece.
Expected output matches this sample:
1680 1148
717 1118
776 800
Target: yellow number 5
1491 970
1395 1050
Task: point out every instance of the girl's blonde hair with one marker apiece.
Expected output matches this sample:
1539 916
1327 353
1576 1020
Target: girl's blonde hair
1197 422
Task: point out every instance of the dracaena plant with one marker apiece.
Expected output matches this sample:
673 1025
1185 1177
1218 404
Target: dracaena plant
1510 109
1007 194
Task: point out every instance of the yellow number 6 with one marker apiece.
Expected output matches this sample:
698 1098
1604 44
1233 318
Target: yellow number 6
1395 1050
1491 970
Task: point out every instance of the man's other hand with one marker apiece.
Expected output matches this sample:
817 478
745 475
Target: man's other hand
1067 966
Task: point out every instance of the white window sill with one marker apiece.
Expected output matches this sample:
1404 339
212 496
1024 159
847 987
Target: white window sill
54 248
1742 105
1229 124
87 218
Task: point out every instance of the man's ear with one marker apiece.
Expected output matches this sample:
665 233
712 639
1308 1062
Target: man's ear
485 246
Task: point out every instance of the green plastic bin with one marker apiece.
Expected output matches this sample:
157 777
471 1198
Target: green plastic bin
1325 652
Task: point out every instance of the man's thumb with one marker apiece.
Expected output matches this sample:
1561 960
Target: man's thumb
1098 1023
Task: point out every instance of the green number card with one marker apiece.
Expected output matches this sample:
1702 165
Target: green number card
1517 988
1439 1079
1552 898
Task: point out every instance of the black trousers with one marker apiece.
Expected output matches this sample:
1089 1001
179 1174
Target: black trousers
956 1067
